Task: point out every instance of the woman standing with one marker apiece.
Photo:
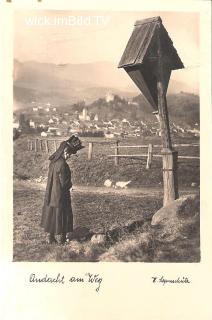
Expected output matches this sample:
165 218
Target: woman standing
57 217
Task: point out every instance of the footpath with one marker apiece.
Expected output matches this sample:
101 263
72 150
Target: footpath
136 192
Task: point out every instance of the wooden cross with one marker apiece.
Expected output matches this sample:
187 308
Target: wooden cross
148 59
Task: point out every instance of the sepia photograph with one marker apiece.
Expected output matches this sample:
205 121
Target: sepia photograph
106 136
105 167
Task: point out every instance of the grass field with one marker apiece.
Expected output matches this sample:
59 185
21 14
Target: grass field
124 216
97 212
100 213
31 165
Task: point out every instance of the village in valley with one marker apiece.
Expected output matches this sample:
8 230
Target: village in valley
46 119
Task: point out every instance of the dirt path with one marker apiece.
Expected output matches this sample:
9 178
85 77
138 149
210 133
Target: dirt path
136 192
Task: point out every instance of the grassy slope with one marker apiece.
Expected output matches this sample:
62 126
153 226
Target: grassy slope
112 215
94 211
30 165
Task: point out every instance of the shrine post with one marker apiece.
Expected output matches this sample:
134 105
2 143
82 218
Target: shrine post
148 59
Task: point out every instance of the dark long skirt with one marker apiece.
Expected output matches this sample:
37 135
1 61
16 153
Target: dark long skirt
58 220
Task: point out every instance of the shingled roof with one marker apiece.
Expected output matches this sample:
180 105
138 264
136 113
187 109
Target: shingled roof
141 56
142 38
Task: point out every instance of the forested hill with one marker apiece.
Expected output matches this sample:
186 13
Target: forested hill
183 108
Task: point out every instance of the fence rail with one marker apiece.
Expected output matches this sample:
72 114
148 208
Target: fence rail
149 155
50 145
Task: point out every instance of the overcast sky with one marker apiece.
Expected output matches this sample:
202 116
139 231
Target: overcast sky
89 36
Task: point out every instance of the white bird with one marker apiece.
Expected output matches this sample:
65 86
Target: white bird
122 184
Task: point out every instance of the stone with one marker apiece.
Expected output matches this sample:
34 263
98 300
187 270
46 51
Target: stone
178 219
108 183
98 239
166 213
171 211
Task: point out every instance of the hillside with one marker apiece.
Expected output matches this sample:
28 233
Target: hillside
183 107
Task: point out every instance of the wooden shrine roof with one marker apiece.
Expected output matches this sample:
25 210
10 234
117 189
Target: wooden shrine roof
142 38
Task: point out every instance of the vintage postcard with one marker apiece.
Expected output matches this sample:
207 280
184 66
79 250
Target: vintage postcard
105 163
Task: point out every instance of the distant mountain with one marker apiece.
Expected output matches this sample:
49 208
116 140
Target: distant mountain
68 83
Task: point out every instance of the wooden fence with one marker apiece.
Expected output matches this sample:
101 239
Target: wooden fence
149 155
50 145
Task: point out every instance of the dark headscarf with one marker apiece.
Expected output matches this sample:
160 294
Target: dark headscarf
73 144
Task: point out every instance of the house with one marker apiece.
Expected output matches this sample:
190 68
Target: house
52 130
34 109
41 125
109 135
31 124
125 121
51 121
56 119
84 115
44 134
109 97
72 130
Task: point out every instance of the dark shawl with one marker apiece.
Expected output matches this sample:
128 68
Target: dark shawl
59 182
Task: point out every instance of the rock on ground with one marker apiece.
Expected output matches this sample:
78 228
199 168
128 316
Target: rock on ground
108 183
179 219
98 239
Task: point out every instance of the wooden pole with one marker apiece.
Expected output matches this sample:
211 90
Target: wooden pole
40 145
149 157
170 177
36 145
47 147
90 150
169 155
55 145
116 153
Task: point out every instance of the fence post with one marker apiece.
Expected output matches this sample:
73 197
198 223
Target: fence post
36 145
90 150
28 145
47 147
116 153
149 156
55 145
40 145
